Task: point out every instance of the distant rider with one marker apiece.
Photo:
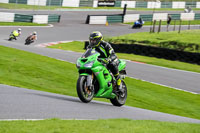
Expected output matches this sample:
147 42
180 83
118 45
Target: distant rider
107 52
32 37
138 24
16 33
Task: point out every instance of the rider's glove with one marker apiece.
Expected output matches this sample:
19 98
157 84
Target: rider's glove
106 60
100 60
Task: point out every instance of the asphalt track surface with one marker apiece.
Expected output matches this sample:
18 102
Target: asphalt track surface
19 103
72 27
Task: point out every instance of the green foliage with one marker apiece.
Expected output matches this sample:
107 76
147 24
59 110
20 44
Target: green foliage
98 126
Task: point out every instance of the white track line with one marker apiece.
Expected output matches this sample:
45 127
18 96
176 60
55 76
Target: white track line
164 85
164 67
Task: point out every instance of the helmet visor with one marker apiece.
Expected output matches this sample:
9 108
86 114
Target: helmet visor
93 42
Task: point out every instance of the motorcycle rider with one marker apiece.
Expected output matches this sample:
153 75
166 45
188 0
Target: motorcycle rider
32 37
16 33
106 52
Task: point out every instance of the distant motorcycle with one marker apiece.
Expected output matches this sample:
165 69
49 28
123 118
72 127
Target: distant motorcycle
14 34
137 24
30 39
11 37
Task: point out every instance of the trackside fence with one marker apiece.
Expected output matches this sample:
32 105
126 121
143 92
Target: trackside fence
114 3
118 18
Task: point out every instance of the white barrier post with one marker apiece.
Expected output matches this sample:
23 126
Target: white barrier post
95 3
71 3
98 20
130 4
4 1
131 17
7 17
198 5
40 19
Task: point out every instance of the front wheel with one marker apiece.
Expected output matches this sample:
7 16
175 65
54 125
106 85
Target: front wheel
121 96
10 39
26 43
84 92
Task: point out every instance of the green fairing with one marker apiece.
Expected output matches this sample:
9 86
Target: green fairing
89 63
103 76
122 64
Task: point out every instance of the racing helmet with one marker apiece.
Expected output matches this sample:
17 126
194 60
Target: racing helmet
34 33
19 29
95 38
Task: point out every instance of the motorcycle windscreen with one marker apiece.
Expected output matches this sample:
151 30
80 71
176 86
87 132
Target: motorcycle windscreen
89 52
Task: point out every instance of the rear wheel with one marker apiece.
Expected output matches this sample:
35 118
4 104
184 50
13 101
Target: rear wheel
84 92
121 96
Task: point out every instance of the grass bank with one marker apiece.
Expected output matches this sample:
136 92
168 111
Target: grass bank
185 41
20 24
78 47
28 70
98 126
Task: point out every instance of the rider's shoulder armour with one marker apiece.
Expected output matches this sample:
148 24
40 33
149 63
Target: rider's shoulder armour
105 44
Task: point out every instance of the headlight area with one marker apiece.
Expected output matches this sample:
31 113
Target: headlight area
89 64
78 64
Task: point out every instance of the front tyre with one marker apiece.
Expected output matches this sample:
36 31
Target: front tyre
10 39
120 98
84 92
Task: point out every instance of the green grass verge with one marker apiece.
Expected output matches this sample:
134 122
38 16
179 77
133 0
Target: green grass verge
78 47
28 70
193 22
98 126
20 24
187 40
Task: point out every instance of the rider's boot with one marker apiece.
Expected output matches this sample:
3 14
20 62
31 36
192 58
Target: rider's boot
118 80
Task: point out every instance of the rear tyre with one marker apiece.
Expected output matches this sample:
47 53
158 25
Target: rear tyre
85 94
121 96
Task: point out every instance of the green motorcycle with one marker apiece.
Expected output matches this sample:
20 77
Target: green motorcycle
95 80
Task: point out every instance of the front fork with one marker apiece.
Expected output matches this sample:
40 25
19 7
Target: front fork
89 86
89 80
